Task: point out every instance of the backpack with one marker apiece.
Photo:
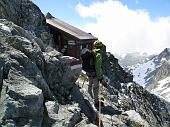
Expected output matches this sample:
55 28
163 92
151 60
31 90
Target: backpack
88 61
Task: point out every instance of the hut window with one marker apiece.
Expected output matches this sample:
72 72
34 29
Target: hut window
71 42
81 47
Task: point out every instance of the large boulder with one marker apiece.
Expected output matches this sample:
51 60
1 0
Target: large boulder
20 105
62 115
60 78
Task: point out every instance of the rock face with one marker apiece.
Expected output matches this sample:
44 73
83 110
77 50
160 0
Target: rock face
149 106
113 70
29 76
39 87
27 15
159 82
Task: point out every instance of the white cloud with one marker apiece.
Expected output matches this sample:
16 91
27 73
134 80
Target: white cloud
124 30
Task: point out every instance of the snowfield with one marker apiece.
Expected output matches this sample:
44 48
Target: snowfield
163 88
141 71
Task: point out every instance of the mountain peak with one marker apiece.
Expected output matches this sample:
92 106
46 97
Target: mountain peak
166 50
165 54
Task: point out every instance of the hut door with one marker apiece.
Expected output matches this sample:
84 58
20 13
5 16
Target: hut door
71 51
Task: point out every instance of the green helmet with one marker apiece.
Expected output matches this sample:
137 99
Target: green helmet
97 43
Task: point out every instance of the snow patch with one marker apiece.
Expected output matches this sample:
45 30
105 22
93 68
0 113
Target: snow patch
142 70
164 81
5 27
163 89
129 84
134 116
163 59
149 78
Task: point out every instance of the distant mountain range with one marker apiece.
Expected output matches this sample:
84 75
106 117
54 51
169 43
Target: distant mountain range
134 58
151 72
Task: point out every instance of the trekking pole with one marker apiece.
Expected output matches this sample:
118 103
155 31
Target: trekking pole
100 99
99 104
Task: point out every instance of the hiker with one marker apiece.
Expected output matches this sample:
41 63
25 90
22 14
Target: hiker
92 64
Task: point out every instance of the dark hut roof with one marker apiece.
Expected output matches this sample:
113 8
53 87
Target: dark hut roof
69 29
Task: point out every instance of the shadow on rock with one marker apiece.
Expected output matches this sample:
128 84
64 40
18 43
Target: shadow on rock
84 104
110 111
47 121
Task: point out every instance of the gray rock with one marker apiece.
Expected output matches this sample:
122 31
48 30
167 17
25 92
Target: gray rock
21 102
26 53
25 69
85 125
113 70
84 104
135 117
150 107
52 107
62 115
59 75
10 29
27 15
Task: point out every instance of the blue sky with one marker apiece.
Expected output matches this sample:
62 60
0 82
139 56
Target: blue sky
156 8
65 9
123 25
